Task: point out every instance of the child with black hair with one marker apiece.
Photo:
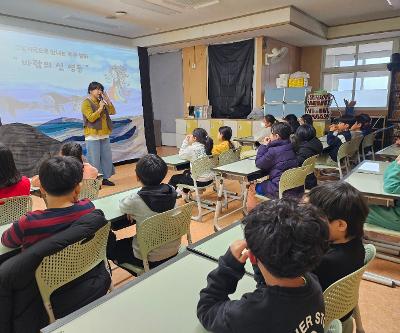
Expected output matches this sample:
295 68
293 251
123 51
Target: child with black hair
361 126
293 122
154 197
286 241
346 211
266 125
195 146
224 137
73 149
338 134
12 183
60 179
306 145
306 119
274 156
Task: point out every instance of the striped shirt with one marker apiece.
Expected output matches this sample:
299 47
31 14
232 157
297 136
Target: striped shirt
40 224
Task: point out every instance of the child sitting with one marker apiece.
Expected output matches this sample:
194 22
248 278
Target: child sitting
195 146
306 119
307 145
338 134
286 242
224 137
60 179
12 184
388 217
275 156
75 150
361 126
266 125
346 210
153 198
293 122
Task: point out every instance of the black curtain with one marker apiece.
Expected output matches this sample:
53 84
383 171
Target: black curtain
230 79
147 104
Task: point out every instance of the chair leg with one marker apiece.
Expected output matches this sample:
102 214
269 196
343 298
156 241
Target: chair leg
340 170
199 217
357 318
50 312
373 153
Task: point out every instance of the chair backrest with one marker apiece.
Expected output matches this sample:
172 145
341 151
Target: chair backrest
344 150
11 209
200 166
370 253
90 188
341 297
293 178
163 228
369 140
311 163
227 157
70 263
354 145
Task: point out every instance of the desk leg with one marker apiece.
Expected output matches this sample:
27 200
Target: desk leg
245 191
220 197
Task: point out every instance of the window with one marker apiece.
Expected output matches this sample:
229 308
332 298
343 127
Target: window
358 72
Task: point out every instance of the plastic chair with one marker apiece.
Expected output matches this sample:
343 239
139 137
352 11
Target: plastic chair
370 253
70 263
343 154
335 326
90 188
368 142
354 148
199 167
290 179
161 229
342 296
229 156
11 209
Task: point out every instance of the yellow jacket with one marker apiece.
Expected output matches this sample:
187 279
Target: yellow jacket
220 148
91 116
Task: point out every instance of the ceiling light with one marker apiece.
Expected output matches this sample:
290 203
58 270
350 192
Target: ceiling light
119 13
202 5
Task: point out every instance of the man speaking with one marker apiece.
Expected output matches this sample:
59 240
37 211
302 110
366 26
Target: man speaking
97 127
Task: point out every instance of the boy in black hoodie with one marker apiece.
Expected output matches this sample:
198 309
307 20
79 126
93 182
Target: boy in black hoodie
286 242
153 198
346 211
306 144
338 133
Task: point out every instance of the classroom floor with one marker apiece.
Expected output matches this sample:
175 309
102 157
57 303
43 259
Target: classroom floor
379 305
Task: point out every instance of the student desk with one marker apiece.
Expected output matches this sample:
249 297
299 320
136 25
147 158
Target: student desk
217 244
390 152
246 141
175 162
110 204
244 171
6 252
369 184
382 167
163 300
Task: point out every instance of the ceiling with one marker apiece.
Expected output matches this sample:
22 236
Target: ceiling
146 17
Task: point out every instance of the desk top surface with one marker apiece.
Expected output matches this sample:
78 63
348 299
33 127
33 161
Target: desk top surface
174 160
163 300
4 249
364 166
250 139
368 183
391 151
217 244
244 167
110 204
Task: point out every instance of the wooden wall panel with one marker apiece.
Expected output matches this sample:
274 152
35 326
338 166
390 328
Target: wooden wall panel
289 64
195 76
311 58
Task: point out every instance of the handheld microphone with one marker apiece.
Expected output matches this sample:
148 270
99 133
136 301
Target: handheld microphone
102 99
